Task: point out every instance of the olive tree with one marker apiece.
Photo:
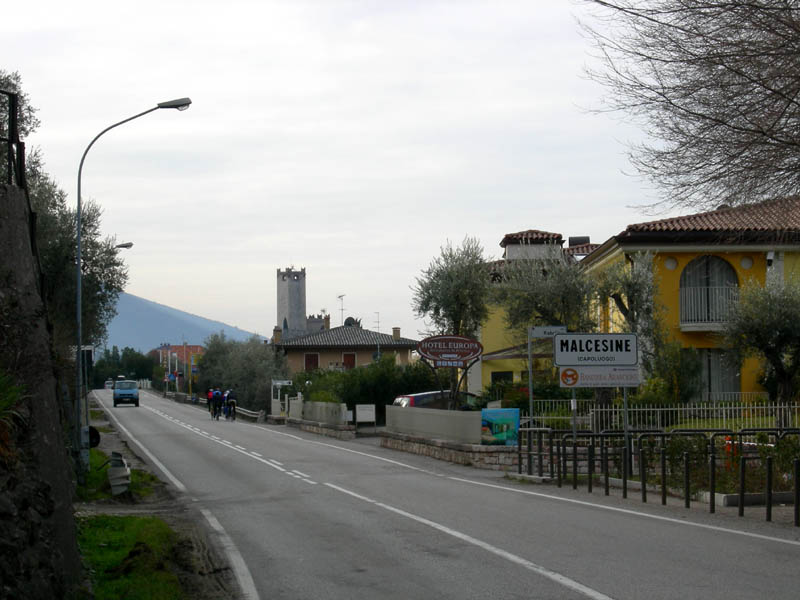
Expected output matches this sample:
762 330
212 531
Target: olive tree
453 291
765 322
549 289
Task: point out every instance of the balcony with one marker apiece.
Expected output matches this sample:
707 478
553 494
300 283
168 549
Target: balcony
706 308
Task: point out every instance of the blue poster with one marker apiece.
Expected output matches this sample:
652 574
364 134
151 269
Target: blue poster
499 426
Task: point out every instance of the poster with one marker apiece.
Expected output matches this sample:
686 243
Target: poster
499 426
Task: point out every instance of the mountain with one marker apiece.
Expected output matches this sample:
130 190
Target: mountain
143 325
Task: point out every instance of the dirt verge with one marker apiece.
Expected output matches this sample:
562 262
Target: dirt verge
199 562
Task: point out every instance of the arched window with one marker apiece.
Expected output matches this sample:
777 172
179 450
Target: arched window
708 287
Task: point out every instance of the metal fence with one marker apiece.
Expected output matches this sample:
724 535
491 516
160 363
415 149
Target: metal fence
754 412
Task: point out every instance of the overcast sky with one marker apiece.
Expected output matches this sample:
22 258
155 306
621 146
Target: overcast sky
350 138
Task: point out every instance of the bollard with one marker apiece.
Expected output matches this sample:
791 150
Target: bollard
519 458
530 449
625 471
686 491
550 450
712 482
769 488
643 472
663 475
796 465
539 452
741 485
590 450
558 466
574 464
604 460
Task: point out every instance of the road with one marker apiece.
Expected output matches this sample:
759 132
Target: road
305 516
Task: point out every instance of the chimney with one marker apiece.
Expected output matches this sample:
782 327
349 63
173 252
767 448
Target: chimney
327 321
276 335
396 333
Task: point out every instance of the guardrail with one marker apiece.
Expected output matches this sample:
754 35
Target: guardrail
240 412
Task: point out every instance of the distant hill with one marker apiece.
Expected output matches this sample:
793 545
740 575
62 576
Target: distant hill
143 325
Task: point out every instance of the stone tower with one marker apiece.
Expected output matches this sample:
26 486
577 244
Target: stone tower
291 302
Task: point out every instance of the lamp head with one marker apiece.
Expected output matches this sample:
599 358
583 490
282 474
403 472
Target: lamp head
126 245
180 103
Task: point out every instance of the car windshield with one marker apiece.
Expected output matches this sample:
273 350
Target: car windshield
126 385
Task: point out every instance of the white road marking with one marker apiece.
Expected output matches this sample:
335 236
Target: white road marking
238 565
241 447
256 454
548 496
518 560
240 569
300 473
628 511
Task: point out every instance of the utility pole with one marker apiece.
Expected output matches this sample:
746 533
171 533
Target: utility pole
378 314
341 306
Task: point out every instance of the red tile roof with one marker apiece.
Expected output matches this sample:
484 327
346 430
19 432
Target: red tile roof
772 220
347 337
581 249
531 236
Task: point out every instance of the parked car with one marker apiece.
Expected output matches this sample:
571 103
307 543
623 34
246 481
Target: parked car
109 385
126 392
437 399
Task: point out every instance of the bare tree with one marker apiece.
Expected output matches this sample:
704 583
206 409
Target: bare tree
716 86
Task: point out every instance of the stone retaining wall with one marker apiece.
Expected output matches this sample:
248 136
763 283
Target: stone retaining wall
497 458
341 432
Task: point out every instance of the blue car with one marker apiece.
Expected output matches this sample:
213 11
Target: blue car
126 392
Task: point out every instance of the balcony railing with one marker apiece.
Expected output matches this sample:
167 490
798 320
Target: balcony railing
706 308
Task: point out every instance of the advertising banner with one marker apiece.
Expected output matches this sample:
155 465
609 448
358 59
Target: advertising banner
499 426
591 377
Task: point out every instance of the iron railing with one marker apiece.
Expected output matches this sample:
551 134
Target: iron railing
706 305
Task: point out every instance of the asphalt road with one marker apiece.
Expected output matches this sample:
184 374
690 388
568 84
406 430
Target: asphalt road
305 516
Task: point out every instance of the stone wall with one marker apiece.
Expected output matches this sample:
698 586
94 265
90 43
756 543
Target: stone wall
341 432
38 549
498 458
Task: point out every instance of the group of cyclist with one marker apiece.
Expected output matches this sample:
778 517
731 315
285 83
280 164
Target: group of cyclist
222 403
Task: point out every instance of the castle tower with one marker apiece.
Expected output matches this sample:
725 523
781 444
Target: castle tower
291 286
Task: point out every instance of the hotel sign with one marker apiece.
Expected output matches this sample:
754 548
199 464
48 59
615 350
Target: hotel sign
449 350
595 349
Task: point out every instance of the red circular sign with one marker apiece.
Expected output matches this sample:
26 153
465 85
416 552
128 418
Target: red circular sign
449 348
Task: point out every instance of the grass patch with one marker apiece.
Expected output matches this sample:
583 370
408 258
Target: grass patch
97 415
105 429
97 486
129 557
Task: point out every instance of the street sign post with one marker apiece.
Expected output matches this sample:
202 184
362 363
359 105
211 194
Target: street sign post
595 349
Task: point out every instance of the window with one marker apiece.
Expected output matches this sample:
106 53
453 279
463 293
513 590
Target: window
311 362
349 360
502 376
720 375
708 286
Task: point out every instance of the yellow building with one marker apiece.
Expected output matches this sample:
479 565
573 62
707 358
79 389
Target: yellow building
699 262
505 354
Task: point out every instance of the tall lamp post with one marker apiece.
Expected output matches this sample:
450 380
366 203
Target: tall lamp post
82 433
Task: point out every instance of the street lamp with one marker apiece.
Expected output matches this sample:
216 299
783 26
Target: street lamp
126 245
82 434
